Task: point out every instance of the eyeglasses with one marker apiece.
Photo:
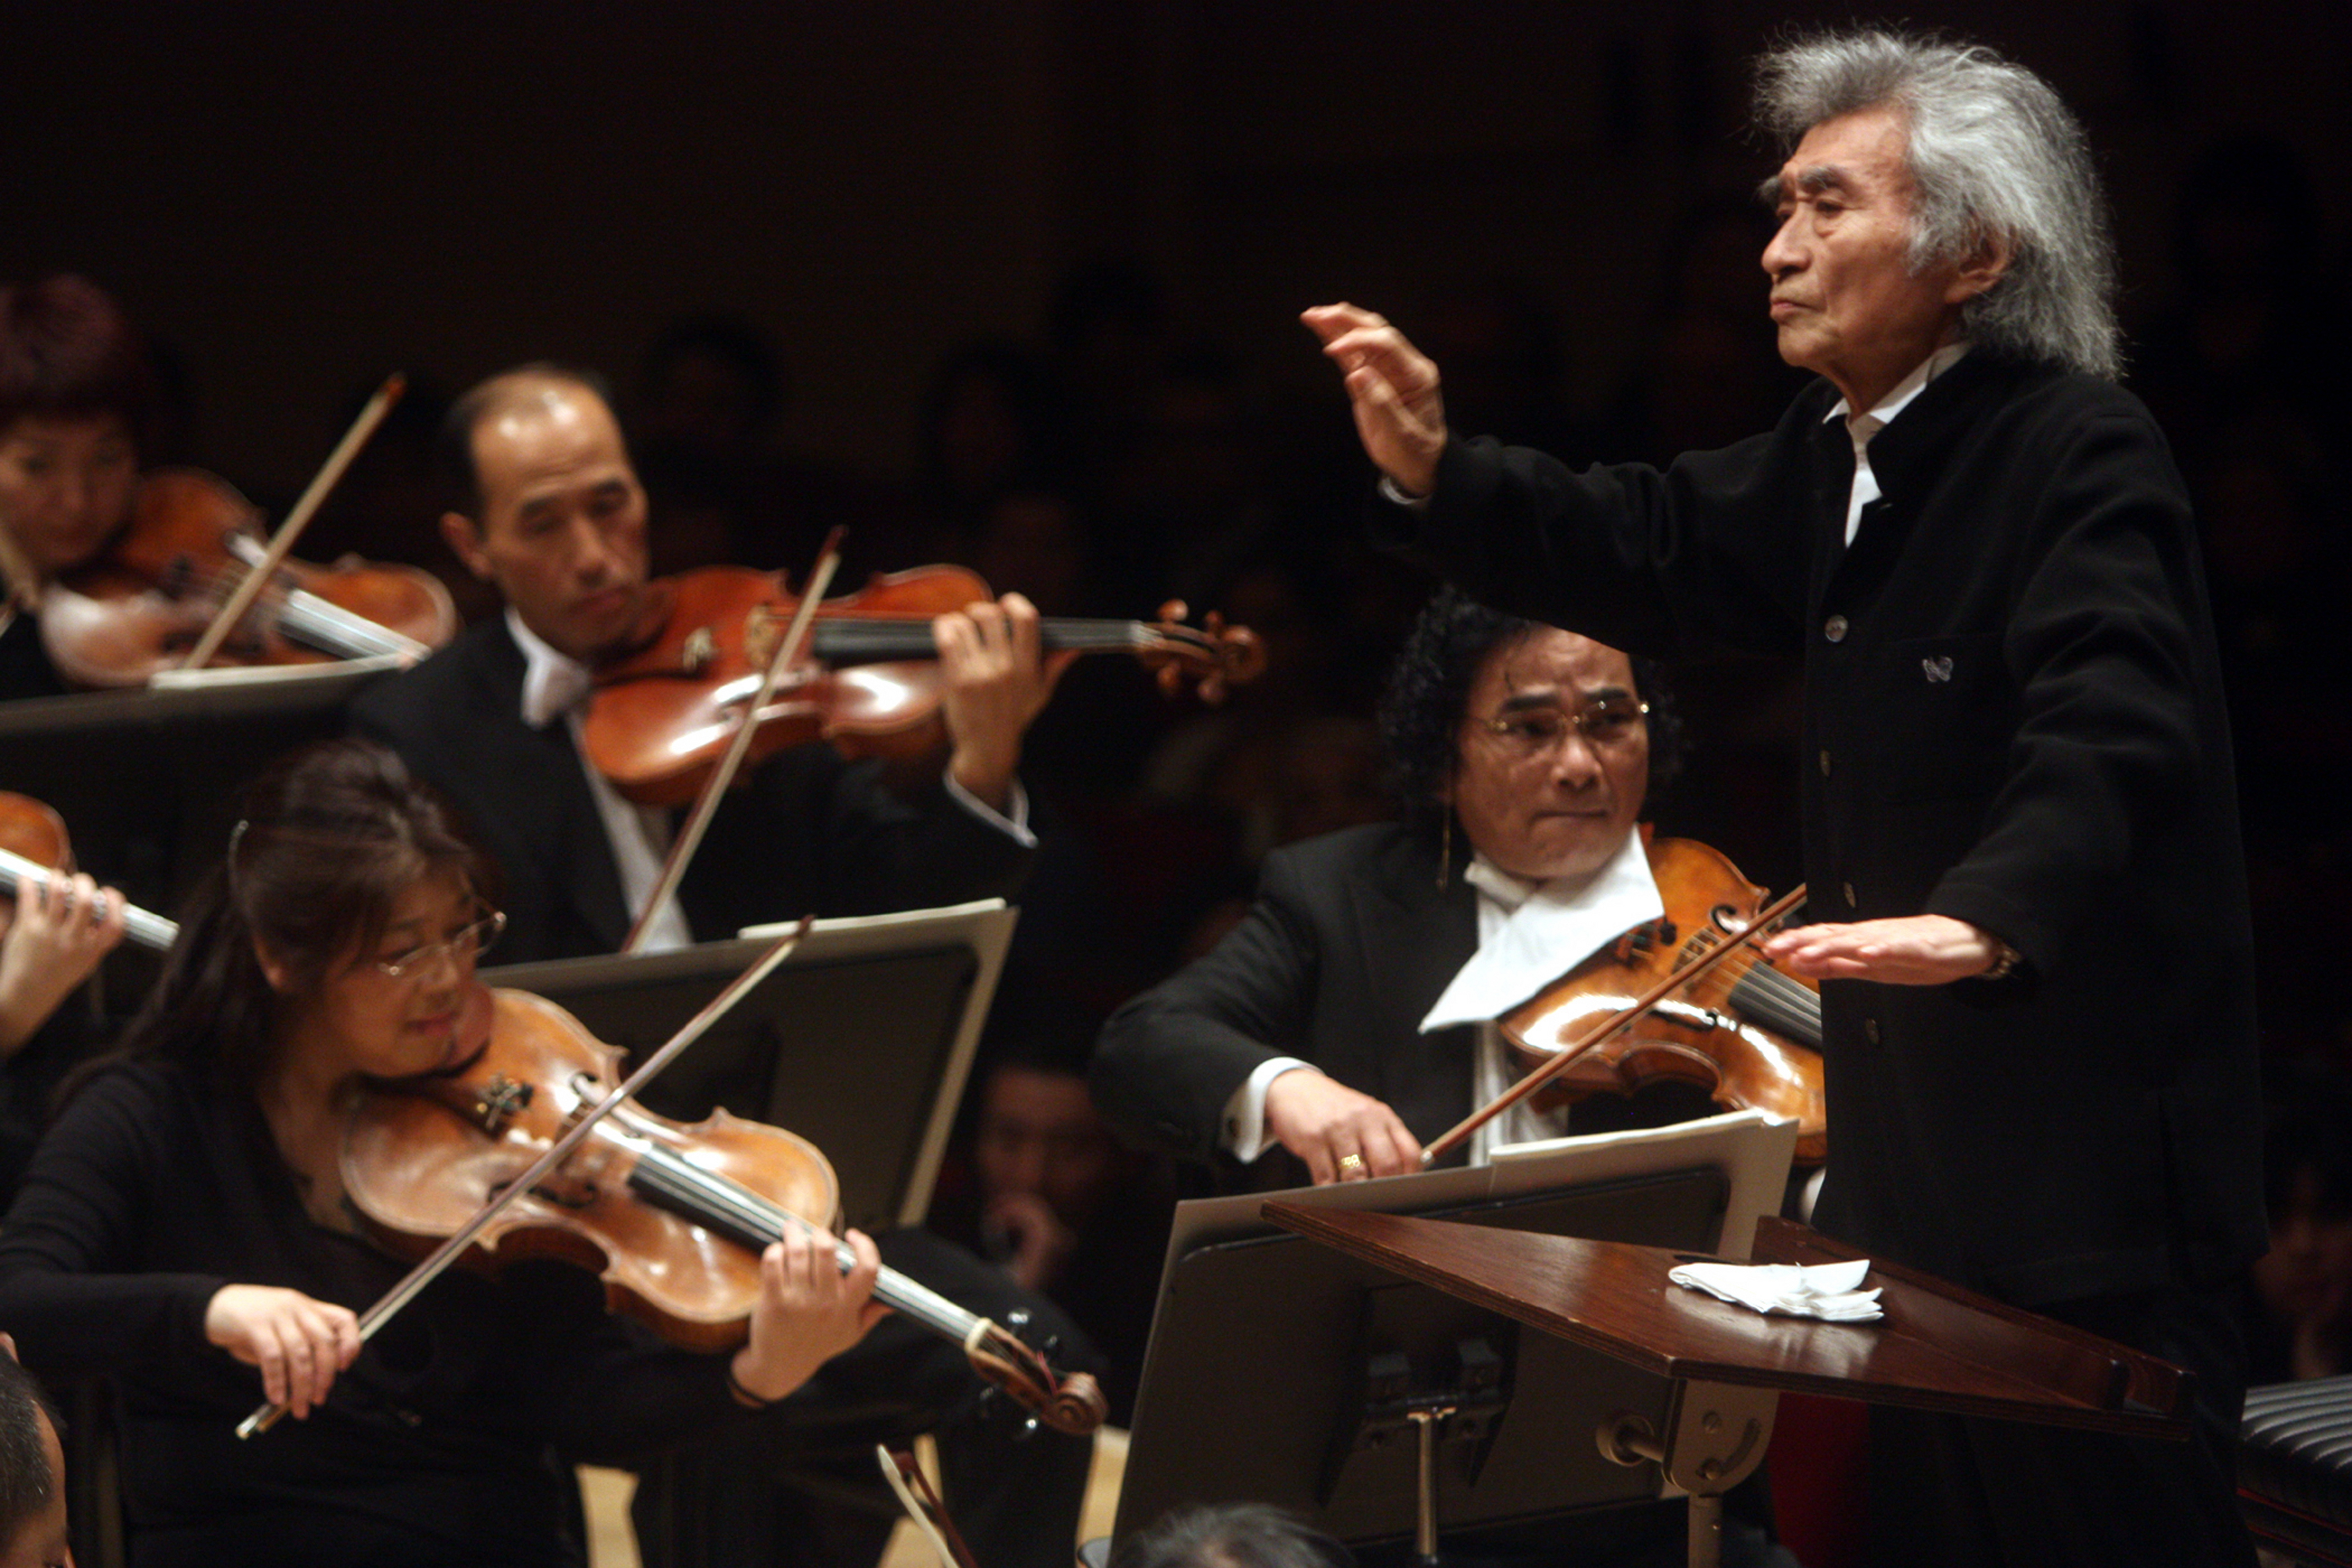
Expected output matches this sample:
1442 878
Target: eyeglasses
466 945
1534 731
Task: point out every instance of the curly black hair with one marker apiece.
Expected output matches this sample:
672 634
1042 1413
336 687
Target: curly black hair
1429 689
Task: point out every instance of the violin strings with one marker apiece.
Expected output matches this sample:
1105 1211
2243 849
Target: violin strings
730 1206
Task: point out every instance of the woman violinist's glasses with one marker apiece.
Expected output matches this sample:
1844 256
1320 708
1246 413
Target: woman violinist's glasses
1533 731
469 942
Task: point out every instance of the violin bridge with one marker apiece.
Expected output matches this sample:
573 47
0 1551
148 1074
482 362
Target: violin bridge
498 1102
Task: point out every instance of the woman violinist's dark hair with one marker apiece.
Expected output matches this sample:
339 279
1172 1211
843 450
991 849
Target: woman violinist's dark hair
68 350
1429 690
328 841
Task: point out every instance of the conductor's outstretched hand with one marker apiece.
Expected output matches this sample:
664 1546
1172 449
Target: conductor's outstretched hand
1393 388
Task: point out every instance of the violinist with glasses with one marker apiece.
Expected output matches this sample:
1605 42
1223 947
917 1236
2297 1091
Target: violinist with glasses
184 1228
1348 1019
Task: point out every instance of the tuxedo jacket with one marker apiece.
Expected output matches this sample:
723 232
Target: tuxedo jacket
807 833
1347 945
2013 717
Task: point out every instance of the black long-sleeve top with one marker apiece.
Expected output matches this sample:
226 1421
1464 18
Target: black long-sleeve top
156 1188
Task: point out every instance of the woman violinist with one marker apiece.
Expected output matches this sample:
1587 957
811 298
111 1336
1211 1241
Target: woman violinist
183 1226
77 397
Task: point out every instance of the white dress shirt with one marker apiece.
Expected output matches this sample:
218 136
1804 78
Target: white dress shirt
1529 934
1862 427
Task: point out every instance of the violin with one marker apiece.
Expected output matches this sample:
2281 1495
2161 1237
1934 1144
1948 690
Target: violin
1747 1034
662 714
32 843
191 542
672 1216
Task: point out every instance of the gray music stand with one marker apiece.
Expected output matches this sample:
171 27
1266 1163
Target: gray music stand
860 1042
1282 1371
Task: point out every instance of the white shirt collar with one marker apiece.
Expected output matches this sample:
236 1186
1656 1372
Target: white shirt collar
1903 391
1552 927
553 684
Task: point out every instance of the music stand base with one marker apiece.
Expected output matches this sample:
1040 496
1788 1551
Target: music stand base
1715 1436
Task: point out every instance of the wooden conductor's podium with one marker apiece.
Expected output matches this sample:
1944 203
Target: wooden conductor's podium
1936 1348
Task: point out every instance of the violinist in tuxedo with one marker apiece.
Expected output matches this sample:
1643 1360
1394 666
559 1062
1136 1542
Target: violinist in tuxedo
549 510
1349 1018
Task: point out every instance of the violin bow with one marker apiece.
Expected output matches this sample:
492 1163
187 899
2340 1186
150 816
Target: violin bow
714 789
923 1507
434 1267
281 544
1765 919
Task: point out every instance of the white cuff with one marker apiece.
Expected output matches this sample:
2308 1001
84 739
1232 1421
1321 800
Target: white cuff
1244 1136
1016 824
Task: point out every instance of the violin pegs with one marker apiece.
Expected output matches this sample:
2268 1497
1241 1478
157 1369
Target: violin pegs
1173 610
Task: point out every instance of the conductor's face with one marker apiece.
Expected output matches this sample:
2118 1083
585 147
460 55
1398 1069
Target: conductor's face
1555 756
562 524
1844 295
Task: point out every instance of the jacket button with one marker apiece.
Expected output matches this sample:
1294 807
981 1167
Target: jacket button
1870 1030
1848 889
1825 762
1834 628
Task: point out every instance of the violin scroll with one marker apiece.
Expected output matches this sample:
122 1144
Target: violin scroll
1218 655
1069 1402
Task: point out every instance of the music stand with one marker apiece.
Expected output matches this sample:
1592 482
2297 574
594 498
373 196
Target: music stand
147 780
860 1042
1938 1347
1281 1372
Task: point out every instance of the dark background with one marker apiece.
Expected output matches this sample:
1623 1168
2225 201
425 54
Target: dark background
1552 197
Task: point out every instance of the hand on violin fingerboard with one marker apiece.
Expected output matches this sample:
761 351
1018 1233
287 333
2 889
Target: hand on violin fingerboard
1915 950
61 928
995 679
808 1311
1342 1134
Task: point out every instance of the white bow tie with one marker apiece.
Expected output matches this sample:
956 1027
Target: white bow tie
552 688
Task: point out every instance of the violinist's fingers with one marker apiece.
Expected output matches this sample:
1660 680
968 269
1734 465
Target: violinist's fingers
1389 1150
858 1283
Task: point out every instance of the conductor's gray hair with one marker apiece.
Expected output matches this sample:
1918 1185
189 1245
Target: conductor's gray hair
1992 151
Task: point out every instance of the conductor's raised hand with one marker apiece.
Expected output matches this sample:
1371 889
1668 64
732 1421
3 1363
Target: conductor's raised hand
299 1341
1393 387
1343 1135
808 1311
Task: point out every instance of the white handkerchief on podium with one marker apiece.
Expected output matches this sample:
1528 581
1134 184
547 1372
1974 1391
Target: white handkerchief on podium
1828 1291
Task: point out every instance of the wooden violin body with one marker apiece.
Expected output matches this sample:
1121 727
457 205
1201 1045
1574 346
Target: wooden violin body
1746 1032
143 606
673 1217
867 681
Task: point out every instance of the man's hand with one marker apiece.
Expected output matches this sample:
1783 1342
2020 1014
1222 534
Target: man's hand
1323 1121
1393 388
992 682
1039 1242
1918 949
